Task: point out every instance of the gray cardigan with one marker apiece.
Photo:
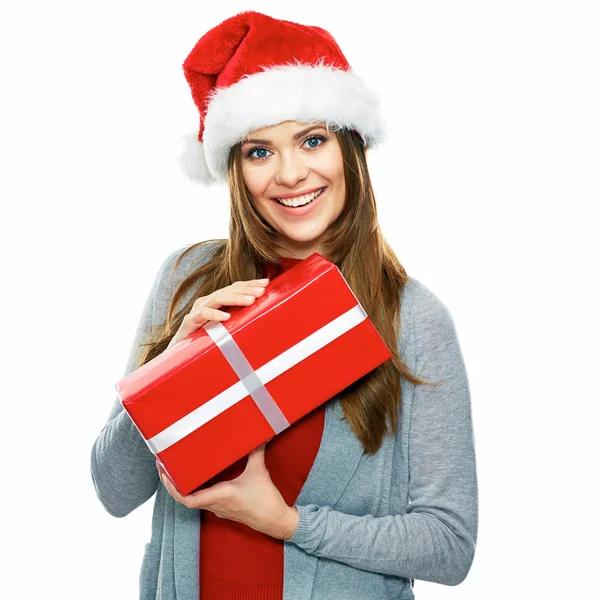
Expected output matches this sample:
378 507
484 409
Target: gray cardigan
369 525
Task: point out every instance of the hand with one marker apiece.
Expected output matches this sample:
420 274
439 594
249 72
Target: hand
251 498
206 308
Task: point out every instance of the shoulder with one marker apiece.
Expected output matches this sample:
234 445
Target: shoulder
424 316
184 260
422 301
175 268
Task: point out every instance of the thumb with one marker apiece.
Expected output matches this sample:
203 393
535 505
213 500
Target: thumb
262 447
256 458
258 452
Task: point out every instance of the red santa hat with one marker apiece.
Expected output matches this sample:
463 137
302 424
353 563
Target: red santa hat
252 71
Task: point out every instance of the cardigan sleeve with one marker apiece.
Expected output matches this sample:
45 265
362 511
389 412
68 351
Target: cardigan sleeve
122 466
435 540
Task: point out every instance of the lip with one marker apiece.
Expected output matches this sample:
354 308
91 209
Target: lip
304 210
303 193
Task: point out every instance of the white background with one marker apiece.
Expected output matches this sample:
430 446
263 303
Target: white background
486 190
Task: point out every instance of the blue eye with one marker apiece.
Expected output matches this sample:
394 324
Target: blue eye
317 138
252 156
257 150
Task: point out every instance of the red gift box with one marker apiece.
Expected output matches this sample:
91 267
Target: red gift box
230 386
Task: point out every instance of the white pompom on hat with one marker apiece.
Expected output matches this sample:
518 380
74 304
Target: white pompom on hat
252 71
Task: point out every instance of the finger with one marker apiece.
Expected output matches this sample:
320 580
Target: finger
211 496
200 498
250 283
227 297
262 448
251 290
230 295
256 456
206 313
169 484
246 288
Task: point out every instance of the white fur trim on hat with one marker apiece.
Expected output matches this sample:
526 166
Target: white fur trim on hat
193 160
305 93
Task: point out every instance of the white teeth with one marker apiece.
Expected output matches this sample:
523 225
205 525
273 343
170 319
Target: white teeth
300 200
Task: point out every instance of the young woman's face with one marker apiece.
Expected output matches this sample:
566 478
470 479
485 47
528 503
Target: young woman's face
289 163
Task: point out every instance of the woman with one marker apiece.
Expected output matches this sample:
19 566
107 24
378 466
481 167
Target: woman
378 486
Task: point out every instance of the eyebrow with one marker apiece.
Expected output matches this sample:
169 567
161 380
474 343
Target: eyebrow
296 136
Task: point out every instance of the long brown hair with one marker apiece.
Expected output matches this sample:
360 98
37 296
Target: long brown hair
355 244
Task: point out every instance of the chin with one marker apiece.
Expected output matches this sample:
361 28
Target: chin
300 239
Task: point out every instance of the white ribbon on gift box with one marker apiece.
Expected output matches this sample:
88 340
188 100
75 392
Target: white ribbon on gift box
253 382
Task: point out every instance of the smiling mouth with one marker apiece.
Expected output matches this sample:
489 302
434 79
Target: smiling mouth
301 201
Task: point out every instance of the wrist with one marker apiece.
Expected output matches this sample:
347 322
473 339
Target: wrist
291 523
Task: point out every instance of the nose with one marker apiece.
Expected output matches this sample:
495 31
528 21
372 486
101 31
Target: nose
291 169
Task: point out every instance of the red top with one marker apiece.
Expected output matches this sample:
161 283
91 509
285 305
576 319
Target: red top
236 561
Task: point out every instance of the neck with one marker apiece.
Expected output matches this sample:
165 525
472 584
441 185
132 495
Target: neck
300 251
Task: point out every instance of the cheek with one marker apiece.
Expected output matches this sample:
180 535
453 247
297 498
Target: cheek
256 180
331 167
257 185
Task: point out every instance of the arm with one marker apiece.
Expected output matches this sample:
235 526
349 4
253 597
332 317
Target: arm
123 467
435 540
